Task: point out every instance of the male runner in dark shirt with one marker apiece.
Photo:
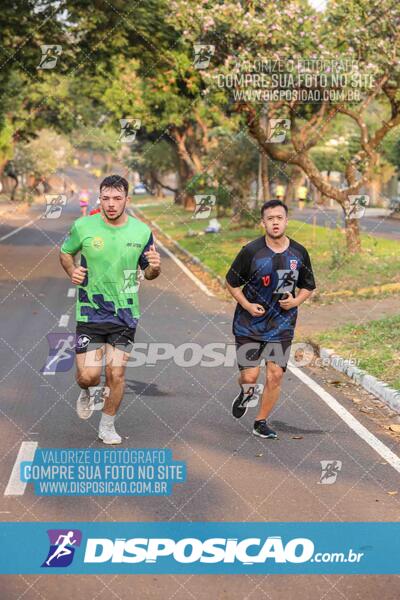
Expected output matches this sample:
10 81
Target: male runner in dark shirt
270 269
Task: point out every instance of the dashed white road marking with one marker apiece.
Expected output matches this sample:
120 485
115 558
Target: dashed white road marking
16 487
368 437
71 292
63 322
14 231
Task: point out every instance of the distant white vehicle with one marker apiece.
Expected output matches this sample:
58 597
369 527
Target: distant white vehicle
140 189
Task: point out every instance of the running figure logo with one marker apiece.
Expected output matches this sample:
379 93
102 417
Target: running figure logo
287 280
330 470
62 547
61 353
50 54
129 129
355 208
204 204
278 130
132 280
252 393
54 205
202 55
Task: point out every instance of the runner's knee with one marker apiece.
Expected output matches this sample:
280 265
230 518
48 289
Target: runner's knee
249 376
114 376
274 374
86 380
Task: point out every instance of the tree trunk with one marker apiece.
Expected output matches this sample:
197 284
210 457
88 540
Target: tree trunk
353 240
375 188
14 189
263 193
182 197
240 206
296 178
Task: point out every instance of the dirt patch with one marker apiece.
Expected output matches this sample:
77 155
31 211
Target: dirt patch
314 318
10 209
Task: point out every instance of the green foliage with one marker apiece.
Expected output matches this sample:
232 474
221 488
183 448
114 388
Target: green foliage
42 156
373 344
6 141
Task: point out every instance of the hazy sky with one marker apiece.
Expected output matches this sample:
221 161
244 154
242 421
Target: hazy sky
318 4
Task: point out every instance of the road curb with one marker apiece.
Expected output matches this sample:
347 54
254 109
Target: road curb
371 384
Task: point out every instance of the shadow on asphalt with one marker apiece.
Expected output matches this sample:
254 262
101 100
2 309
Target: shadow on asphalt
282 426
143 388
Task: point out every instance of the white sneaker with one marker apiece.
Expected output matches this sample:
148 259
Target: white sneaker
108 435
84 405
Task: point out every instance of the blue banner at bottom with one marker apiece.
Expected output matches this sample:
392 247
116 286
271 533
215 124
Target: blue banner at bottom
200 548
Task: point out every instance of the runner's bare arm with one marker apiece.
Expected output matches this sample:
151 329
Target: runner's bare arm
76 274
291 302
154 267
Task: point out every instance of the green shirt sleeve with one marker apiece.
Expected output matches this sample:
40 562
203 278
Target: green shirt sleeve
73 243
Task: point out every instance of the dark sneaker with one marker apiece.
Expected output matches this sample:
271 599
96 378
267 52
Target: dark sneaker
262 430
240 404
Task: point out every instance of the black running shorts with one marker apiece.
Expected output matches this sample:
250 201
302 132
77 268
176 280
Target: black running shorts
250 353
90 336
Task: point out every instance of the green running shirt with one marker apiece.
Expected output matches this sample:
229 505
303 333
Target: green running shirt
111 254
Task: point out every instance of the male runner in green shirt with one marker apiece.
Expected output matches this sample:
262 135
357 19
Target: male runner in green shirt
112 246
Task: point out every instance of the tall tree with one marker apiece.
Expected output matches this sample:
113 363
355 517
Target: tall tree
248 36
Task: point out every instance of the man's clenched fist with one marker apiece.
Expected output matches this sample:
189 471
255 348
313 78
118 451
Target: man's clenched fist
78 275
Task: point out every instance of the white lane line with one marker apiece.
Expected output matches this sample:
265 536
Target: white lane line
16 487
348 418
187 271
71 292
19 229
63 322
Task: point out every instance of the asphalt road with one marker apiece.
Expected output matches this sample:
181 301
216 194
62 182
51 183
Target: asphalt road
232 476
386 227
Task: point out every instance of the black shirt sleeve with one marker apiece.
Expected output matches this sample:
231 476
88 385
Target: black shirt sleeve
143 262
306 279
240 271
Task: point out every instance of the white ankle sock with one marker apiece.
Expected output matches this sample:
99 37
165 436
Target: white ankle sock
107 419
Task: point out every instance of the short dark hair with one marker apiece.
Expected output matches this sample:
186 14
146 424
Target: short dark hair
272 204
115 181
